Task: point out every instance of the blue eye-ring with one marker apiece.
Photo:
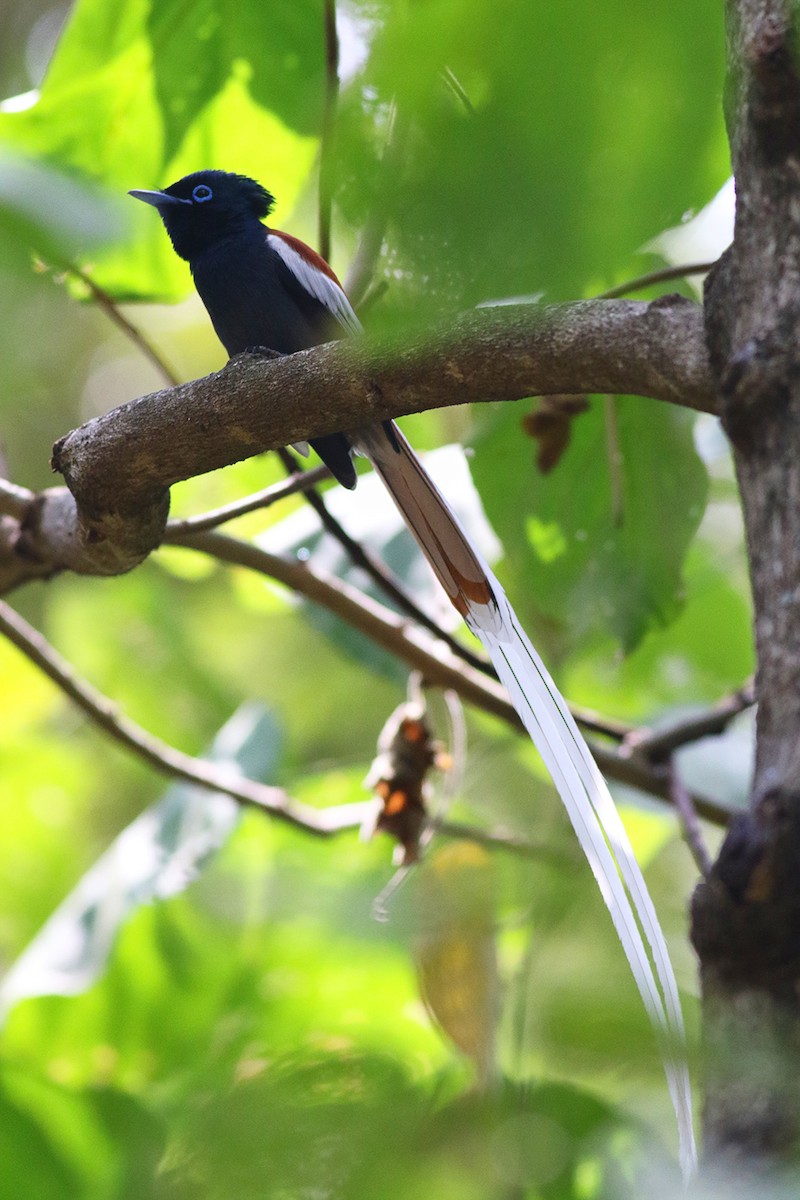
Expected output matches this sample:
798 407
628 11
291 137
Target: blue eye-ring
202 193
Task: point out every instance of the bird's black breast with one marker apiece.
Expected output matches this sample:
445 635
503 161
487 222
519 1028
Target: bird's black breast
253 299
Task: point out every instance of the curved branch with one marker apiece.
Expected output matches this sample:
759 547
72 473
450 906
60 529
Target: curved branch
502 353
437 664
325 822
298 482
120 466
158 754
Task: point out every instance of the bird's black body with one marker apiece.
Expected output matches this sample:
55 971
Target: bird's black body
253 298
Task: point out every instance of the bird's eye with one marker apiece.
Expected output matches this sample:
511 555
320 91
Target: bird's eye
201 193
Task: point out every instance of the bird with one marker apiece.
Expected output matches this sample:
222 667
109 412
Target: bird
266 288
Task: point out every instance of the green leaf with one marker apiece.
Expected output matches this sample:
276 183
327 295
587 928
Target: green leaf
32 1165
57 217
59 1144
199 47
597 545
158 855
137 98
585 131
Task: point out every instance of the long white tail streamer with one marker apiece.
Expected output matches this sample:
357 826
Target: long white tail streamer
476 593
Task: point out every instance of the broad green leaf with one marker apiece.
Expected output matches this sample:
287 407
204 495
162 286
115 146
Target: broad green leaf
573 136
138 95
56 217
597 545
198 47
32 1165
155 857
705 652
60 1144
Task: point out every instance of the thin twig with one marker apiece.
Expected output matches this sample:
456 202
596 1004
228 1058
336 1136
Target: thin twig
663 275
659 746
595 722
505 841
164 758
14 500
378 573
114 313
169 761
687 816
299 482
439 668
327 153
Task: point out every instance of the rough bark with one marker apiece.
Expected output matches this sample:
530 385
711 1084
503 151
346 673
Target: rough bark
746 917
119 467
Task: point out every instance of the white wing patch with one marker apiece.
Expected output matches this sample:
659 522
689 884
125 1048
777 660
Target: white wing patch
320 285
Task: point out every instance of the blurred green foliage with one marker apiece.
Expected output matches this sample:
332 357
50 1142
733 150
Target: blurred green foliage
260 1035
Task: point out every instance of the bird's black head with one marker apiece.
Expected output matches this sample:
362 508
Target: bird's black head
207 206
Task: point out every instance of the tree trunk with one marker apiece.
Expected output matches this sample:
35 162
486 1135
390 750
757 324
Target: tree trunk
746 916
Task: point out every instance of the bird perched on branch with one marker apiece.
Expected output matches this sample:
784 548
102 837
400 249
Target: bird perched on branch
265 288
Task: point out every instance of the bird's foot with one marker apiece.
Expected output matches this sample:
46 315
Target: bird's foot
256 352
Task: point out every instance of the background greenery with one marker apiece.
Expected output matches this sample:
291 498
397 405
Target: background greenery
259 1034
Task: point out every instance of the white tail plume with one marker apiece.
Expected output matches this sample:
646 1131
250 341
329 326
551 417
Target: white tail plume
478 596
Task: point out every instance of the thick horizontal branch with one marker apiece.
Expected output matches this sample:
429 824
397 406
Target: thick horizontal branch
119 467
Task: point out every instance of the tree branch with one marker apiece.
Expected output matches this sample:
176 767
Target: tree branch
438 666
381 576
115 314
297 483
120 466
201 773
658 745
661 275
687 816
166 759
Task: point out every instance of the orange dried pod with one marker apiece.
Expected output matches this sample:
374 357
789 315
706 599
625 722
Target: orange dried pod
406 753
